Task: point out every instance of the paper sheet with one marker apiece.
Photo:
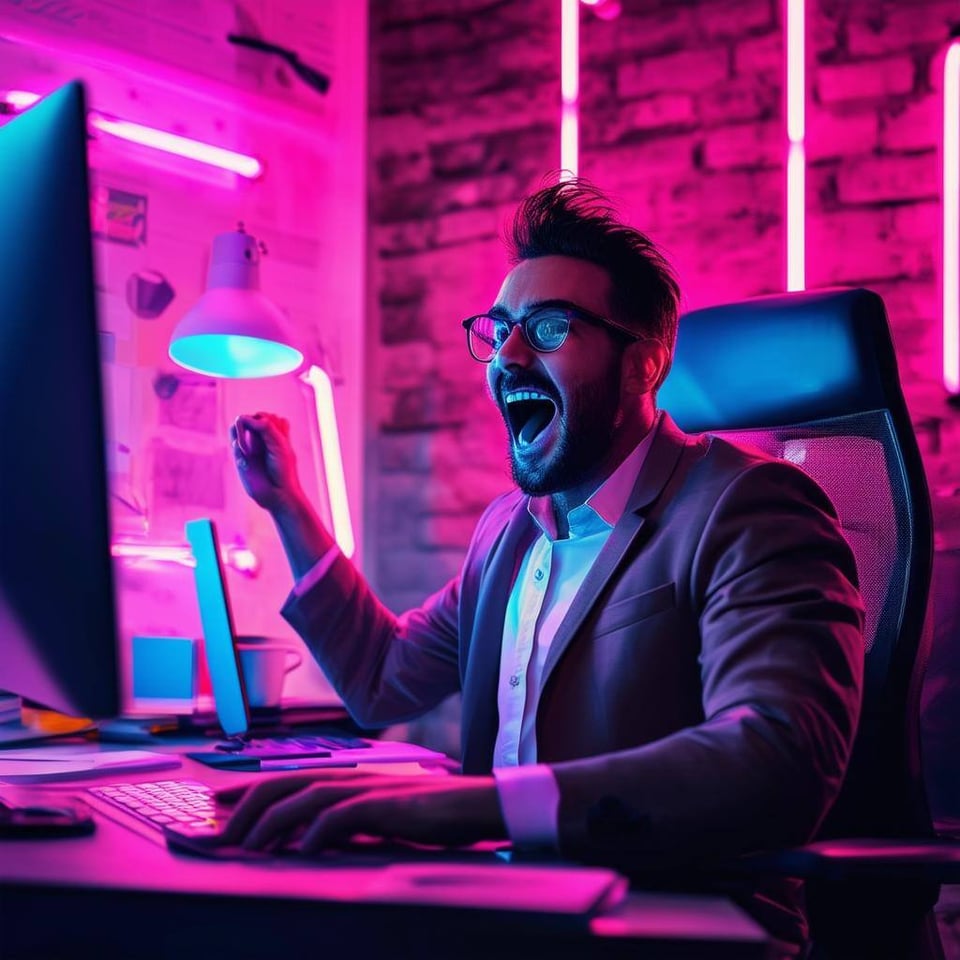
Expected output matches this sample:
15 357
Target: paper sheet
72 763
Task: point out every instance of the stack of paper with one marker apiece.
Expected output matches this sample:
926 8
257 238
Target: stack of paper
10 706
72 763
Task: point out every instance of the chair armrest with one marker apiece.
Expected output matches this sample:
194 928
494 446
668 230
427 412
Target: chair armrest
934 859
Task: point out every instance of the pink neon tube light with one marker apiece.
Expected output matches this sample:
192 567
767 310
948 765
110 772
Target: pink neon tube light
239 163
20 99
241 559
951 219
569 88
795 20
319 381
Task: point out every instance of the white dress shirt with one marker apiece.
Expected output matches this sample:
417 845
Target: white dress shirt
547 582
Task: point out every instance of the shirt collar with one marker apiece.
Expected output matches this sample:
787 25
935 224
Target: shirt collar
606 504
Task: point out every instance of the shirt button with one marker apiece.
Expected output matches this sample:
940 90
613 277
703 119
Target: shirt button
538 574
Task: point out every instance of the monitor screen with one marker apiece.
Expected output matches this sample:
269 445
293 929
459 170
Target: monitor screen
58 634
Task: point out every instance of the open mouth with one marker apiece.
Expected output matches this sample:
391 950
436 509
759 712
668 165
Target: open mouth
528 414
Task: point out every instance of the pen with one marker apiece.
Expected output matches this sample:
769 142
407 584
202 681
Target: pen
163 726
306 763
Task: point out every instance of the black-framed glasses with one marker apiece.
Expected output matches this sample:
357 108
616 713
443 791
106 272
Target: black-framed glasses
544 328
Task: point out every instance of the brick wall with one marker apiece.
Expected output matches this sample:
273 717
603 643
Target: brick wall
682 121
463 123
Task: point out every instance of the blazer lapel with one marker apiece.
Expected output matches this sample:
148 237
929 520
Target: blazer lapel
657 468
480 719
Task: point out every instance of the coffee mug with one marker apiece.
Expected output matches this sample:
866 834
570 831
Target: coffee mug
265 663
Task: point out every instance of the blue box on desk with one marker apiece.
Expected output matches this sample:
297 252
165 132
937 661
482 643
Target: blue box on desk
164 668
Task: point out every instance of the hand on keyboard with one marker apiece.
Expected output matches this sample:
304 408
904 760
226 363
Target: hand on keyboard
186 804
330 808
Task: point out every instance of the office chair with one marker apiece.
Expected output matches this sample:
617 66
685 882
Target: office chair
812 377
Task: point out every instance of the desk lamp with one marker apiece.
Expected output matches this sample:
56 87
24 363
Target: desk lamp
234 330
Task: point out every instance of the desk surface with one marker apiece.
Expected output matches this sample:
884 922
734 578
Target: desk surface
120 892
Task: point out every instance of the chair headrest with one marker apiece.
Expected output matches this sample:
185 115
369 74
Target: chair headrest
783 359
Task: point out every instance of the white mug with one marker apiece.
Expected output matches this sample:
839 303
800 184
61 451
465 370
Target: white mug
265 663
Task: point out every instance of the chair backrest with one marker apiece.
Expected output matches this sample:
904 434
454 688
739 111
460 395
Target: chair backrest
812 377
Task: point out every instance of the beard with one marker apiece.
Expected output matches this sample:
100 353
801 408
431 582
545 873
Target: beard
585 434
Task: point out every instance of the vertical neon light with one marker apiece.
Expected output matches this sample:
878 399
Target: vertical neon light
569 88
319 381
795 20
951 219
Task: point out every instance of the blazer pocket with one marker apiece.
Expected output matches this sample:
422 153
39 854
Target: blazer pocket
633 609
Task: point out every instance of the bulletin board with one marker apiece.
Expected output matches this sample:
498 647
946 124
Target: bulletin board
154 217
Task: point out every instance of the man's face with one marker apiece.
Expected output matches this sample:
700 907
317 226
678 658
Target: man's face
562 408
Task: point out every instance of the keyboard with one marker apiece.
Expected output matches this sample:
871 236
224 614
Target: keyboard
162 802
291 747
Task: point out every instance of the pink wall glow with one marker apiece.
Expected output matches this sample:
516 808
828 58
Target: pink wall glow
181 85
686 119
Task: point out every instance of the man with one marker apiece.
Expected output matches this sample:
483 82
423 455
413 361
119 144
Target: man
658 637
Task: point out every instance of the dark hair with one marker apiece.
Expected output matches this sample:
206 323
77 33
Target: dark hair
574 219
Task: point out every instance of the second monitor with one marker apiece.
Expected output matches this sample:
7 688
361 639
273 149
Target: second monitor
58 628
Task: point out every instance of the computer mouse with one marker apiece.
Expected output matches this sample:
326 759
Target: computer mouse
64 819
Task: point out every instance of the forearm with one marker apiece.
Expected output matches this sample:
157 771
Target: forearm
736 783
304 538
387 669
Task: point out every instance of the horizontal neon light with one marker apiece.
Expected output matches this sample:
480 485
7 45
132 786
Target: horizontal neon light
951 219
319 381
239 163
242 559
20 99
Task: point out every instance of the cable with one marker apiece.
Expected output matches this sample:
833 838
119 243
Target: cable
313 78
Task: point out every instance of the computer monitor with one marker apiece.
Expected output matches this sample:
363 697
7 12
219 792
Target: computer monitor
58 633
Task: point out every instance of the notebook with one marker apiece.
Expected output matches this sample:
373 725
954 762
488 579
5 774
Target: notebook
241 750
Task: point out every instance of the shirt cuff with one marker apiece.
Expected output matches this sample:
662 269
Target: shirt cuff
530 803
316 573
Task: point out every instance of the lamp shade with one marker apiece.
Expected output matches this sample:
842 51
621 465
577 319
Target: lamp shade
234 330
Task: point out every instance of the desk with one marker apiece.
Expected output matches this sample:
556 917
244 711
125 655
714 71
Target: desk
119 894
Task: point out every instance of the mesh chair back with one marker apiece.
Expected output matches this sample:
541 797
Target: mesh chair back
812 378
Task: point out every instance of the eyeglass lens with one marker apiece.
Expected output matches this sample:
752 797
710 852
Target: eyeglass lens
545 330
